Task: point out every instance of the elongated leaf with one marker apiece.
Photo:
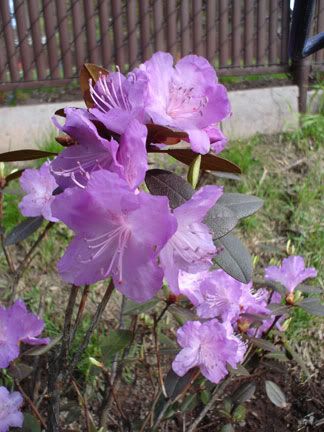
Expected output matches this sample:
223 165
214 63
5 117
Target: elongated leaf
181 314
234 258
132 308
309 289
30 424
93 72
226 175
244 393
263 344
19 370
278 355
312 305
42 349
275 394
209 162
116 341
194 170
175 385
221 220
23 230
162 182
24 155
14 175
227 428
240 204
278 309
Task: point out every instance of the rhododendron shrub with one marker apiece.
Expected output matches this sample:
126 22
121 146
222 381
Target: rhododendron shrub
152 236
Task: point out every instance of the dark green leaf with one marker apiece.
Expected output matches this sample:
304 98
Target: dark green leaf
227 428
189 403
226 175
181 314
275 394
263 344
116 341
312 305
42 349
240 204
239 371
23 230
162 182
309 289
244 393
239 413
19 370
132 308
234 258
278 355
23 155
221 220
278 309
175 385
205 396
30 424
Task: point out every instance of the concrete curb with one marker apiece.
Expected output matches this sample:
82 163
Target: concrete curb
267 110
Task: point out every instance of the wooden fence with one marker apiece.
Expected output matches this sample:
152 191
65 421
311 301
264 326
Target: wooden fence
44 42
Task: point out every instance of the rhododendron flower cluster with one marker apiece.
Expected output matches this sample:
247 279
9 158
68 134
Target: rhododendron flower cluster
95 187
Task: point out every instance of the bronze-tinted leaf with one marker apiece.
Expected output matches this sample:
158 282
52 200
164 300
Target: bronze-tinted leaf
24 155
208 161
162 135
93 72
60 112
14 175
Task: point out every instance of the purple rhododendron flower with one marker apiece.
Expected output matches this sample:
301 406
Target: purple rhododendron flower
119 100
9 340
28 325
267 323
217 294
217 139
191 247
74 164
185 97
10 413
118 233
18 325
39 186
291 273
209 346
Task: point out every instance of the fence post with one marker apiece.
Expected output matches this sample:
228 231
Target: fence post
301 70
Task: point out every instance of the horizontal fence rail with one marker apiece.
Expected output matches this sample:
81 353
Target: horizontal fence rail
45 42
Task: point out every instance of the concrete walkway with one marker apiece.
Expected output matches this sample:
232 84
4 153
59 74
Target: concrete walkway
268 111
